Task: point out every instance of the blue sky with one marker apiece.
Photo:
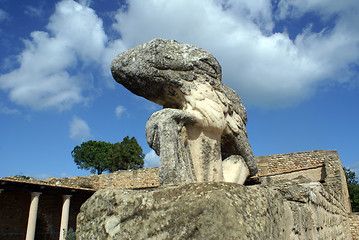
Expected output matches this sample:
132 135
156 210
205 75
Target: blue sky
295 65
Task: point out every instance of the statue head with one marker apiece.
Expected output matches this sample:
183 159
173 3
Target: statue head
162 70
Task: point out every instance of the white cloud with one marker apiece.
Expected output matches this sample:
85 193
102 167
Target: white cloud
51 64
79 130
86 3
79 27
151 159
119 110
265 68
3 15
65 175
41 176
34 11
8 111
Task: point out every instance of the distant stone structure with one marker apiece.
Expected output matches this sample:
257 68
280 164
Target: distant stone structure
321 166
200 134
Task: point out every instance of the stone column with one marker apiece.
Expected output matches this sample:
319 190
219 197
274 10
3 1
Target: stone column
65 216
31 222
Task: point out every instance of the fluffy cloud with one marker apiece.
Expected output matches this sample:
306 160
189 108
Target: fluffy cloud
48 75
119 110
266 68
79 130
151 159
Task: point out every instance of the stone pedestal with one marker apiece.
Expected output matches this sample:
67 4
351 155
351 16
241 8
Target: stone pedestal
215 210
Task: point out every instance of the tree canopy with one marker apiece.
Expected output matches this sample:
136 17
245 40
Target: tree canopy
353 187
100 156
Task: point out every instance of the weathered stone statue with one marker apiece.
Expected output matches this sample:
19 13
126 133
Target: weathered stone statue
200 134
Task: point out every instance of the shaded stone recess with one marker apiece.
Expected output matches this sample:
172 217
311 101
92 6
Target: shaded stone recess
291 210
15 209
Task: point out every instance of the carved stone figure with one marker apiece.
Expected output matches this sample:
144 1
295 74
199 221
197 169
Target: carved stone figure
200 134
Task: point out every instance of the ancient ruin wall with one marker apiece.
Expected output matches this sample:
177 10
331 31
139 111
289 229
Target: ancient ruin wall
270 165
131 179
290 162
335 182
318 166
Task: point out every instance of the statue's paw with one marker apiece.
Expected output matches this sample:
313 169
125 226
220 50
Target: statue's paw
237 144
235 169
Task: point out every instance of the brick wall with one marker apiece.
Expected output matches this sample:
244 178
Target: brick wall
131 179
289 162
319 165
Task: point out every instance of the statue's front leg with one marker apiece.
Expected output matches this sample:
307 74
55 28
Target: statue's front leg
166 134
205 148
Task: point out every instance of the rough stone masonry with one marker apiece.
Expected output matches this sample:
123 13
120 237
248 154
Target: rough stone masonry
200 134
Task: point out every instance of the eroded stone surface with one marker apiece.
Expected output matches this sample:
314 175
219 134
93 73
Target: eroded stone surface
191 211
284 210
203 121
